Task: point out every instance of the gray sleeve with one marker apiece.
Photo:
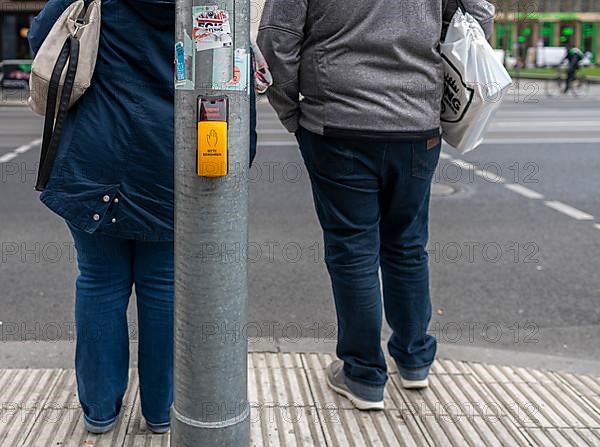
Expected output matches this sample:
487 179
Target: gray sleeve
482 10
280 38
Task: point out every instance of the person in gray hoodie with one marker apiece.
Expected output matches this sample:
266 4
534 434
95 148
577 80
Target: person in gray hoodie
360 83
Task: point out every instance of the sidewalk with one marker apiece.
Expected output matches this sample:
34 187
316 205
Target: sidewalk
468 403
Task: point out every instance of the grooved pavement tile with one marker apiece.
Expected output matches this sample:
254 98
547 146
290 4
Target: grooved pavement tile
467 404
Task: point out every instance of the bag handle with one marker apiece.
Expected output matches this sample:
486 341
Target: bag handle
53 129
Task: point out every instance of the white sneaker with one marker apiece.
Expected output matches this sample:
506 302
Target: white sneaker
336 381
414 384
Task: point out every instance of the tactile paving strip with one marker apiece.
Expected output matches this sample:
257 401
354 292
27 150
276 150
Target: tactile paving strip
467 404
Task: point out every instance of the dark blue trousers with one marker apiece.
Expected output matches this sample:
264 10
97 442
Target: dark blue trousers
108 269
372 200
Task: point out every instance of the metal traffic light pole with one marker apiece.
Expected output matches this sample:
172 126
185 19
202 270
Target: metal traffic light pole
211 231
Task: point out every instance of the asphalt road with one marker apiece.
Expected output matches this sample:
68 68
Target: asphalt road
515 237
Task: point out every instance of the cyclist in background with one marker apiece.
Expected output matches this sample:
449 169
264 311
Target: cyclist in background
574 56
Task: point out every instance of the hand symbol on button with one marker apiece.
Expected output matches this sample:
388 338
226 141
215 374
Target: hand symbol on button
212 138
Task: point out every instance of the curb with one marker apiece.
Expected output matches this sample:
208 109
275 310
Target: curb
60 354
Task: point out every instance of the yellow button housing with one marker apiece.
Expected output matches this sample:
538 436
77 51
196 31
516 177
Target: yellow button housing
212 149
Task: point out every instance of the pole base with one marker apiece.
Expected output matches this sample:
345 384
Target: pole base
184 435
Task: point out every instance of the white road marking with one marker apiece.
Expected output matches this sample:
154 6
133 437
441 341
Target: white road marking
268 130
20 150
534 140
554 113
281 131
463 164
489 176
545 124
505 120
278 143
27 147
525 192
268 121
528 140
8 157
569 210
490 141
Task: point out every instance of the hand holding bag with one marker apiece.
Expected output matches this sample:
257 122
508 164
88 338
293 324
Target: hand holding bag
72 43
474 81
263 79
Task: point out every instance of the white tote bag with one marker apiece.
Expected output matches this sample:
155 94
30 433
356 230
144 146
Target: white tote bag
474 81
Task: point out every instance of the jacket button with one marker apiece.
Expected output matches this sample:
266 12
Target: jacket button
114 220
96 217
106 198
116 200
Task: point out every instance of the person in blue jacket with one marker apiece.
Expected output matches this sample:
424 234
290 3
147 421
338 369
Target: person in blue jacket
112 181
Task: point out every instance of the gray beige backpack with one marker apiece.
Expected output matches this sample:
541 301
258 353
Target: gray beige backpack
61 72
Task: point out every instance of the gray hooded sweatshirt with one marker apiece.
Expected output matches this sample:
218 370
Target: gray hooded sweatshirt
366 69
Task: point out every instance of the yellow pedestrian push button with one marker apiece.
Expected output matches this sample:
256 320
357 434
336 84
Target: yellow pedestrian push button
212 136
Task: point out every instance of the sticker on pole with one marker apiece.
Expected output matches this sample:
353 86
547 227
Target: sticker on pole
223 76
211 28
180 74
185 64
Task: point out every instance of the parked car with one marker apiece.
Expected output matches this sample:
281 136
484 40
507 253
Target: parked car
15 74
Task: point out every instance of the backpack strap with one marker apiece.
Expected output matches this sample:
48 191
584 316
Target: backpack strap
53 127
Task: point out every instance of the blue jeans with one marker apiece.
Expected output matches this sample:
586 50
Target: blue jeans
108 268
372 200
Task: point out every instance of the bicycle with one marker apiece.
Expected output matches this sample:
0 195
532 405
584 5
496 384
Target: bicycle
556 86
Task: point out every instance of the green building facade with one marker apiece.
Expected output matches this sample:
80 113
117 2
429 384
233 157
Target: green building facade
521 25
